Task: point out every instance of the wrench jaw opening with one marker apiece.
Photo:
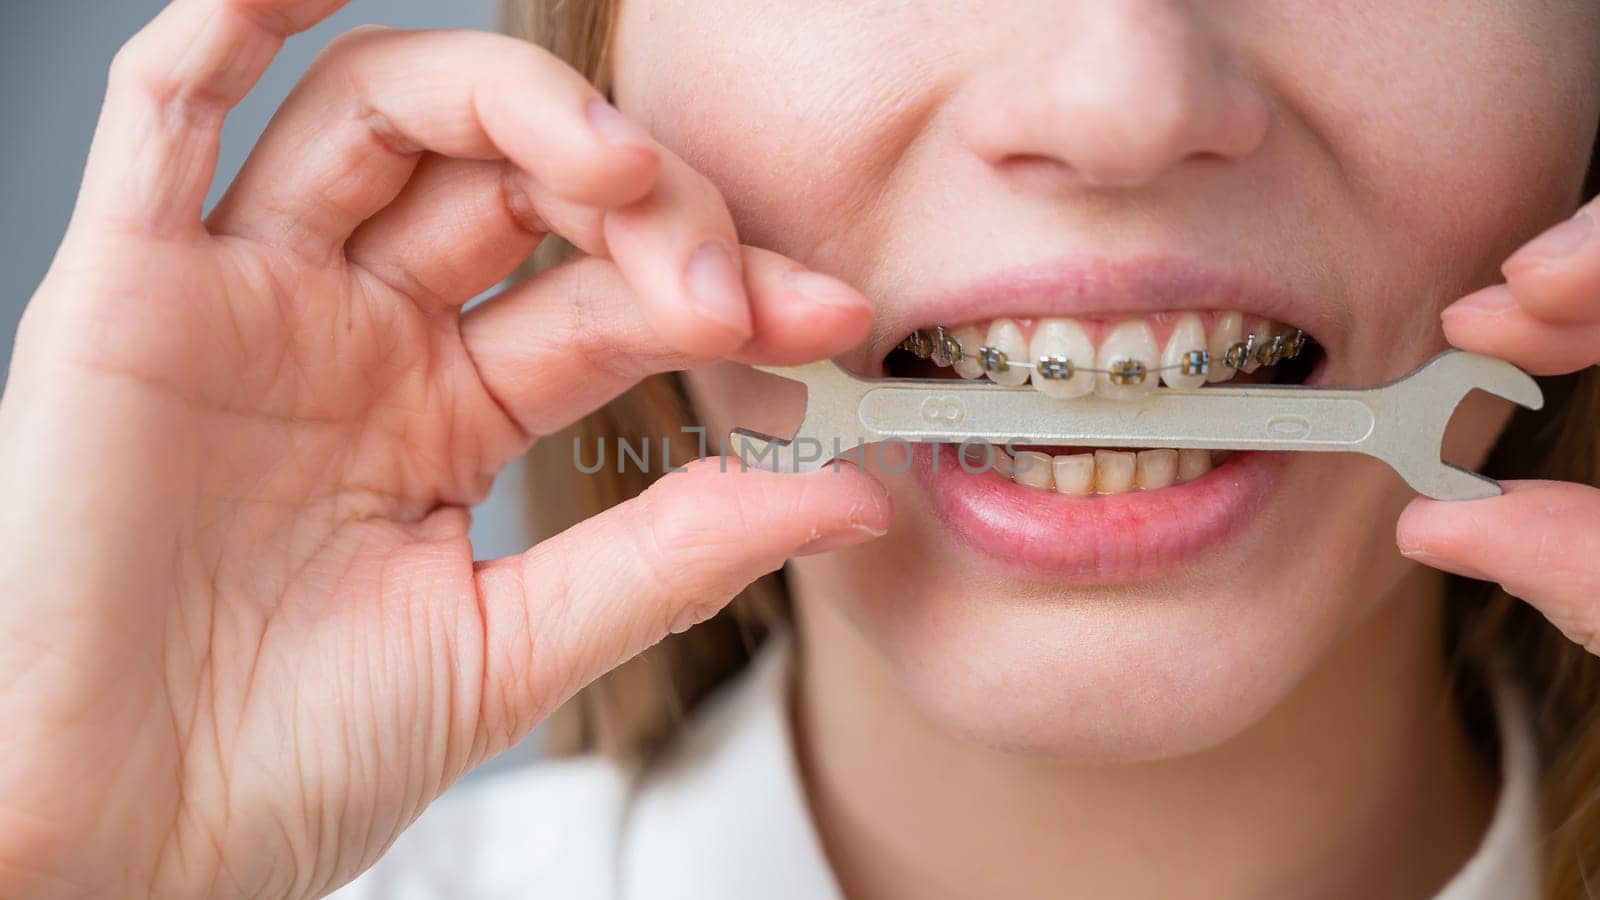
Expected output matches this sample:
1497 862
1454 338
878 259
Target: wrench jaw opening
1443 481
829 426
760 451
1427 400
799 454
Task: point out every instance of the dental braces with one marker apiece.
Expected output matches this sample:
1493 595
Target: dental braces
945 350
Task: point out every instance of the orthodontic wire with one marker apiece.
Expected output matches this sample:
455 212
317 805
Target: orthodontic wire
1282 347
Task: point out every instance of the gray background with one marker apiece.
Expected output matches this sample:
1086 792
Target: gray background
53 60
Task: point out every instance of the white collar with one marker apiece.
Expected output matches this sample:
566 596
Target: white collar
723 814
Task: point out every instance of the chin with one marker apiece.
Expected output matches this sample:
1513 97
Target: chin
1160 655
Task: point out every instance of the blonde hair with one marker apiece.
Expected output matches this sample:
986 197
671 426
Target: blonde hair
636 708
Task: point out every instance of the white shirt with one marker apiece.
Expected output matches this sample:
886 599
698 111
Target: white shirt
722 816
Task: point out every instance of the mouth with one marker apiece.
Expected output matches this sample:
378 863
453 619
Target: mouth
1117 359
1105 513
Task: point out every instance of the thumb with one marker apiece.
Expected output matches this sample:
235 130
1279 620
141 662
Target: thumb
583 602
1540 541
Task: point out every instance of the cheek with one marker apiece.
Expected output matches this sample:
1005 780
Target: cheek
1448 136
1415 147
797 112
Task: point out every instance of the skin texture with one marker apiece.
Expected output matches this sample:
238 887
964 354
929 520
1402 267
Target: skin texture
245 641
1379 160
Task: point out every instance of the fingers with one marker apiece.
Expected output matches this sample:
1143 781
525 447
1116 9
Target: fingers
1540 541
562 344
1555 275
170 87
1494 323
348 138
347 142
1546 317
585 601
455 231
460 226
681 234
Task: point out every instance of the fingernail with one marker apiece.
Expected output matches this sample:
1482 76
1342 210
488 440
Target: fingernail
614 127
855 534
1444 565
1561 241
1492 300
824 289
716 287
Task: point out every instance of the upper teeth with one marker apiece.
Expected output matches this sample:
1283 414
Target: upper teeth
1063 362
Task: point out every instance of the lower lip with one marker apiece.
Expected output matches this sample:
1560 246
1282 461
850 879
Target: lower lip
1110 538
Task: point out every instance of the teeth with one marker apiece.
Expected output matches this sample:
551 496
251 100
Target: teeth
1192 464
1114 471
1188 336
1102 472
1003 463
1260 343
1274 347
1062 362
1155 469
1006 337
1127 354
1033 470
946 349
1296 344
1064 339
978 455
1074 474
1228 331
970 339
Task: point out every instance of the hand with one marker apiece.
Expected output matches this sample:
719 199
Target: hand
243 641
1541 539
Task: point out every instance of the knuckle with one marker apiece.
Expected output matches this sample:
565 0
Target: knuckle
128 60
354 40
134 66
673 549
609 339
143 70
518 201
654 544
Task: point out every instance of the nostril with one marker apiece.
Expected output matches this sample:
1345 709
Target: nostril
1036 171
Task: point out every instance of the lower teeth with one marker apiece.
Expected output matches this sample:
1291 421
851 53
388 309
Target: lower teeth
1084 473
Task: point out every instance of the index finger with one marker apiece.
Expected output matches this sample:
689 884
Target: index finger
1556 276
170 87
1493 322
349 137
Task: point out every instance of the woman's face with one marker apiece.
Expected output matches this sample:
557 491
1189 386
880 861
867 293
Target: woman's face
1096 172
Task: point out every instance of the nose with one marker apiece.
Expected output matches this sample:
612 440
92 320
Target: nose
1112 93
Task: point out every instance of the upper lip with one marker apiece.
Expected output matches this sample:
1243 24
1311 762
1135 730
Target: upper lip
1104 288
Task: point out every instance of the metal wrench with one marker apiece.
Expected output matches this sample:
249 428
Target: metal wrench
1401 423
